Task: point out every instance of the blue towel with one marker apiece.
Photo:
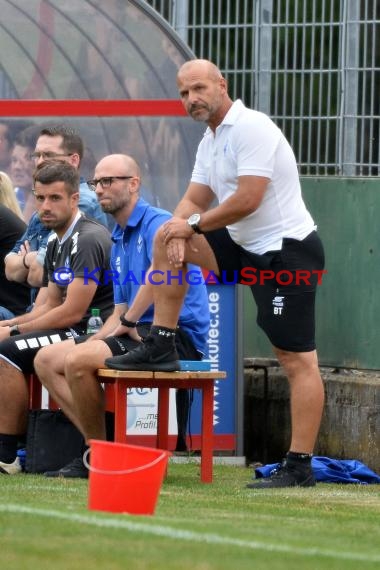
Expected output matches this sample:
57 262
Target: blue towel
329 470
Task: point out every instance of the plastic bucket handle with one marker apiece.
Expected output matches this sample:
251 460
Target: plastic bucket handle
124 471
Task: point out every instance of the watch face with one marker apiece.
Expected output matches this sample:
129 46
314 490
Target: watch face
194 219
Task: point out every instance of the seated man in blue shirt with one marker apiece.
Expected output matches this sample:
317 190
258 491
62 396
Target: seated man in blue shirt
69 371
24 263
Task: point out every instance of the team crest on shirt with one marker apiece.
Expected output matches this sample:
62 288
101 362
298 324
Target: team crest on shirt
139 243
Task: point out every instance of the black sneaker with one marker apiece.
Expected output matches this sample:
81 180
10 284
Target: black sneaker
286 476
149 355
76 469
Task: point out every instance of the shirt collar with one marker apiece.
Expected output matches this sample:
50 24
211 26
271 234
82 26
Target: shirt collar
233 112
231 116
70 229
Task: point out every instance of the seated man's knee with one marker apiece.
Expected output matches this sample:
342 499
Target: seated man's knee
73 363
44 361
77 362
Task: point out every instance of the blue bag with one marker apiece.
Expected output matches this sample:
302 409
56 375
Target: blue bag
329 470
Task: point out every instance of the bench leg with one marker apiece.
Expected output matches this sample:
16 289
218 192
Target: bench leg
163 418
35 392
120 411
207 431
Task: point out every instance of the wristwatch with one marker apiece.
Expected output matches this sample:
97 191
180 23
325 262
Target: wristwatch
193 222
13 330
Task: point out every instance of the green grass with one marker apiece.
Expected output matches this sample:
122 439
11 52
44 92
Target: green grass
45 524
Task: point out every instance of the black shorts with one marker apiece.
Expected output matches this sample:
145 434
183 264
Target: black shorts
122 344
283 284
21 349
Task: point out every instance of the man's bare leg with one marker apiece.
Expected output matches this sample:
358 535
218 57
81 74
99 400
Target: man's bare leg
14 403
81 366
49 367
168 297
306 407
70 375
14 400
306 397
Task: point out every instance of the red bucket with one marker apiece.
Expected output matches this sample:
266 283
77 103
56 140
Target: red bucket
125 478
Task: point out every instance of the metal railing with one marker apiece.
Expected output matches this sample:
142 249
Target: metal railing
312 65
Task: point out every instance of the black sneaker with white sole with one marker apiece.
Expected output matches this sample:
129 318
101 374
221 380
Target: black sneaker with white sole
149 355
286 476
76 469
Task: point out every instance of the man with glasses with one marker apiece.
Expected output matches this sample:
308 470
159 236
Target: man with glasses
69 371
24 263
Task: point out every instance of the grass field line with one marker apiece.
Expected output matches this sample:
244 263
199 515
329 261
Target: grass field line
175 533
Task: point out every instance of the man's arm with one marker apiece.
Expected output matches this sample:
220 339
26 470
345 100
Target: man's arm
17 264
197 198
39 302
67 314
245 200
36 268
53 313
40 299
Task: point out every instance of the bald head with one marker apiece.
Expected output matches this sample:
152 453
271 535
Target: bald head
118 165
202 67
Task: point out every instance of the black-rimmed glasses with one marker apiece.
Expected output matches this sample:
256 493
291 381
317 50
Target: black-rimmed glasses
48 155
106 181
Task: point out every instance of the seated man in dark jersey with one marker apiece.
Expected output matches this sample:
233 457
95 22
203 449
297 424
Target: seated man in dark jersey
78 254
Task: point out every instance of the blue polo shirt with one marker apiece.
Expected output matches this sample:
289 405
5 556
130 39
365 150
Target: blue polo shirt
131 256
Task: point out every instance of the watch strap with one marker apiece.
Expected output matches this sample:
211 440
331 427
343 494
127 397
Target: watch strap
126 323
13 330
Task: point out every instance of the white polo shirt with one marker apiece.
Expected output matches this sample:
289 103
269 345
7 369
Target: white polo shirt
247 142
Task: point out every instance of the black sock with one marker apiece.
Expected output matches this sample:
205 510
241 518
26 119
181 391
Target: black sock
163 335
8 447
298 459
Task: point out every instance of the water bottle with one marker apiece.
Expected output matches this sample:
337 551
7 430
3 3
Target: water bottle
94 323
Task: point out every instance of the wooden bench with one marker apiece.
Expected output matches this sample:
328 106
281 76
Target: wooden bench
203 381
